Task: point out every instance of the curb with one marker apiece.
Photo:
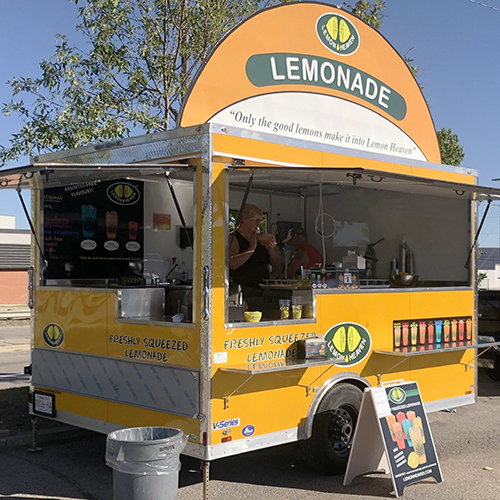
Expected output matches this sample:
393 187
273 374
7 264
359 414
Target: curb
43 436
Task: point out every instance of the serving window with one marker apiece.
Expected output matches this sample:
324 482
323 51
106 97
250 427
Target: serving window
125 228
373 231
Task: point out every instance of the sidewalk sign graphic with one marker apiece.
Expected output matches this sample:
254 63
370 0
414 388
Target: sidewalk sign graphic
393 425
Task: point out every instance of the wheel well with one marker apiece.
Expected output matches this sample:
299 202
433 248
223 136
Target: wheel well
343 378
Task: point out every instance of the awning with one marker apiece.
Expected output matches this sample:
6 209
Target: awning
58 174
306 179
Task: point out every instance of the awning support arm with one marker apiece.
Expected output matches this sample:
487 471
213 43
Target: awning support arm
178 207
240 210
478 233
18 189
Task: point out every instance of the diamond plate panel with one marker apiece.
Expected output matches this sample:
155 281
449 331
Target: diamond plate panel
157 387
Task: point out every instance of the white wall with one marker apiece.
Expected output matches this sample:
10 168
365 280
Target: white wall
434 228
277 206
7 221
492 280
161 245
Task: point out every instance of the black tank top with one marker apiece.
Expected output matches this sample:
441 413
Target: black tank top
254 270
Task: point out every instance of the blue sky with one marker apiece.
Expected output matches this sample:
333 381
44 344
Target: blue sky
455 44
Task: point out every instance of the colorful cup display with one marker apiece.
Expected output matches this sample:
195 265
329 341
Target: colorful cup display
429 334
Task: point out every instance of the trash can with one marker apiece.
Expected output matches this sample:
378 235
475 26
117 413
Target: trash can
145 462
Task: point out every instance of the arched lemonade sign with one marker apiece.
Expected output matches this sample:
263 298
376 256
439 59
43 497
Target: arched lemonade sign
312 71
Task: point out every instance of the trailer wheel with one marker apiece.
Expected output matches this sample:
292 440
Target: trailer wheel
328 448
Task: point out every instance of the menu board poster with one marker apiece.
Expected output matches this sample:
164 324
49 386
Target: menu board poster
409 445
94 230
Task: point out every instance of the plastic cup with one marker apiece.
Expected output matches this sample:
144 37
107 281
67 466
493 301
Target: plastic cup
297 311
285 308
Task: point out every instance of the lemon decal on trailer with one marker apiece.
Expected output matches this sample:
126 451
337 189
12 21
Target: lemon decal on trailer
123 193
53 335
348 341
337 34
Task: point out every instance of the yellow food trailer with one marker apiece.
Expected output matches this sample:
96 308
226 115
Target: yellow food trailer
135 321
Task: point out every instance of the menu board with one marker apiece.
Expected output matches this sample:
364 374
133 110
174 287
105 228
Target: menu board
94 230
393 425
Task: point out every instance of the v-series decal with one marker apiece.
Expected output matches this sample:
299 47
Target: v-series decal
224 424
285 69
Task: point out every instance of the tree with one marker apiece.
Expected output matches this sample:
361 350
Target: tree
372 13
451 151
142 57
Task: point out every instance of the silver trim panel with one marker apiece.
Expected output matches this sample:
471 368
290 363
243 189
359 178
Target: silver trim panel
156 387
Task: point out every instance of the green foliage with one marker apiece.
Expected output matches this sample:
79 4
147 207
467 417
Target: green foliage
132 74
451 151
372 13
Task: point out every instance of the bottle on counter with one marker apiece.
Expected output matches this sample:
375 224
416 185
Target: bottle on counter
410 268
183 274
402 257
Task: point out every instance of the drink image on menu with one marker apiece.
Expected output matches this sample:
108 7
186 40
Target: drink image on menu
406 331
454 328
422 327
446 329
397 334
88 220
413 332
111 224
132 230
468 328
418 443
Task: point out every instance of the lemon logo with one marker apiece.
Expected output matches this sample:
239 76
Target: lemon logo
337 34
349 341
53 335
397 395
123 193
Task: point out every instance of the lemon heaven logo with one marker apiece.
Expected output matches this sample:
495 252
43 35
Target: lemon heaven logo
123 193
348 341
397 395
53 335
337 34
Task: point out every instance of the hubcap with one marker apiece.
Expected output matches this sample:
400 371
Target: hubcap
340 429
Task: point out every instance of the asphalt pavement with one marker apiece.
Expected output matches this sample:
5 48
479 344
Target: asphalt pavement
14 354
71 465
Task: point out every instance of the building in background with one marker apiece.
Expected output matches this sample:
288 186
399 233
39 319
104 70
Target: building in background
488 265
15 247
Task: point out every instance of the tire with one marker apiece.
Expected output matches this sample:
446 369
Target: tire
327 451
